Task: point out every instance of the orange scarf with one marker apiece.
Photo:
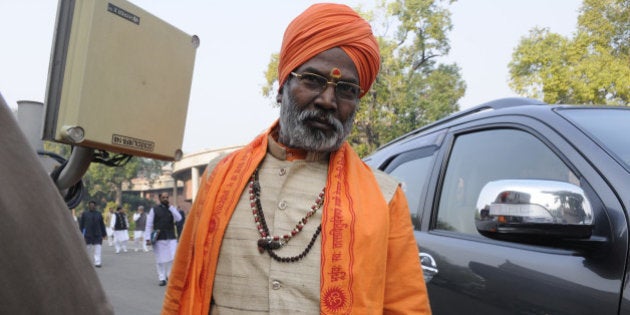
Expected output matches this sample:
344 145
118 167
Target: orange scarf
353 233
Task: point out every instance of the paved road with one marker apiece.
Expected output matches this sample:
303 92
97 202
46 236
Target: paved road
130 281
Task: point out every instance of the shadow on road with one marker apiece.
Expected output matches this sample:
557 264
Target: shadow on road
130 281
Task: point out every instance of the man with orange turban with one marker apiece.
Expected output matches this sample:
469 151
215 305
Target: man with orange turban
295 222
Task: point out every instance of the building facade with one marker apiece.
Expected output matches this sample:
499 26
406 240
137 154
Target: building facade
181 179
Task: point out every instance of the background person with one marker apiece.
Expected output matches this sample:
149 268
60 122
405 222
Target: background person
180 224
162 217
140 220
295 222
92 227
120 225
108 228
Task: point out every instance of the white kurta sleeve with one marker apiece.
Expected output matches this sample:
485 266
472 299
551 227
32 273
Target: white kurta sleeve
149 225
176 215
112 221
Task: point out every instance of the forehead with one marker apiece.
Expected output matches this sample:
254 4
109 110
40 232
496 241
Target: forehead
325 61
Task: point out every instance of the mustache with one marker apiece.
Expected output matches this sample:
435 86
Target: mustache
322 116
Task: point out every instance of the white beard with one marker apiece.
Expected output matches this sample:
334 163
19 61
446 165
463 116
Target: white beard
295 134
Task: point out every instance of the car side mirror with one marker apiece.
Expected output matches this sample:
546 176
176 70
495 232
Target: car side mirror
540 208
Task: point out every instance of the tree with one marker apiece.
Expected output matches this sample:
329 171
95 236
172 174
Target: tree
412 88
593 67
103 182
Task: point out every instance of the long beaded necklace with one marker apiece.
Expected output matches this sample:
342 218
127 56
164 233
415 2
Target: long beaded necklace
269 243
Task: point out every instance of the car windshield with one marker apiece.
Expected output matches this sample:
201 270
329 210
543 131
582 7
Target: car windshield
608 126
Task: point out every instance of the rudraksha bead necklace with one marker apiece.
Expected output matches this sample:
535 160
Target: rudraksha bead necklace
269 243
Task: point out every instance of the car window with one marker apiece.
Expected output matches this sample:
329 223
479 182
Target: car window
480 157
412 170
608 126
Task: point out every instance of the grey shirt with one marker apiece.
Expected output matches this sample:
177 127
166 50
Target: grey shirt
44 268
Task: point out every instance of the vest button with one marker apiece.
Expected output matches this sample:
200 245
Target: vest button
276 285
282 205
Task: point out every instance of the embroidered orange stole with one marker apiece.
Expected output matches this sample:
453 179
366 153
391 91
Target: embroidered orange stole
351 188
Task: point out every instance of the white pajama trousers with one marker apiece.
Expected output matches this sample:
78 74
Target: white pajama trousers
164 252
96 249
120 240
163 270
138 241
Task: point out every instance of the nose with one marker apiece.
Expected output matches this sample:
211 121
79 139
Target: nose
327 98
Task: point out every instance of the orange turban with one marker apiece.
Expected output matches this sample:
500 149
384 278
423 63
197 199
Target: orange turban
324 26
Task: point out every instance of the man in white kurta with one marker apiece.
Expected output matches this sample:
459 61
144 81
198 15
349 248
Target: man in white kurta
120 224
163 217
140 220
108 229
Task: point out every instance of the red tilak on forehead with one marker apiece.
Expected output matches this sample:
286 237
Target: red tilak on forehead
335 73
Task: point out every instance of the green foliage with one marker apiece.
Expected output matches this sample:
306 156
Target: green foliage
271 77
131 202
412 88
592 67
57 148
110 205
103 183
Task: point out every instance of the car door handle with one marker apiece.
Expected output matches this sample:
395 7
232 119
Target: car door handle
429 267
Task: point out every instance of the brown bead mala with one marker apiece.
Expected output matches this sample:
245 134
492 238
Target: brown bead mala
269 243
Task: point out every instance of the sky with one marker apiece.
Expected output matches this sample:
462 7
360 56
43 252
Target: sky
226 106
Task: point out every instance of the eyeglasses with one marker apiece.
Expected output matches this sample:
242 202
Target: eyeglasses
343 90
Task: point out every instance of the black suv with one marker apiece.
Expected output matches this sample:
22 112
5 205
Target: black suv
520 207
